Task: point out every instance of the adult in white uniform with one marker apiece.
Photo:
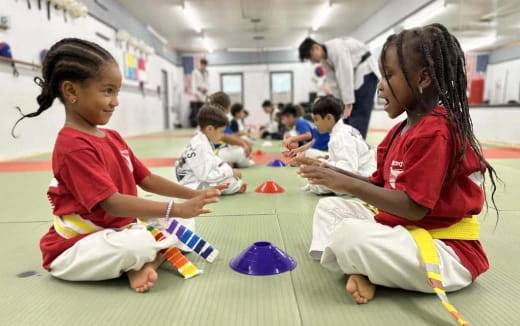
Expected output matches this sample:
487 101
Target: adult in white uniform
352 75
200 87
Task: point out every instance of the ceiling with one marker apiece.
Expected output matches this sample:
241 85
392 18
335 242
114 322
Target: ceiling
280 24
481 24
228 23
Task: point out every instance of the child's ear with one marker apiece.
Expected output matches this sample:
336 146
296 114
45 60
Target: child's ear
425 79
69 91
329 116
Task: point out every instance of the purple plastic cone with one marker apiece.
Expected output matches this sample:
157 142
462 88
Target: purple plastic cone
276 164
262 258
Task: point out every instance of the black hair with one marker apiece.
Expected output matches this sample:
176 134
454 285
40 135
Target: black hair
267 103
328 105
204 62
236 108
304 50
291 109
211 115
220 98
69 59
434 48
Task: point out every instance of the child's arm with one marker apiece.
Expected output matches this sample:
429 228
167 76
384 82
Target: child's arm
393 201
164 187
236 140
301 149
120 205
297 139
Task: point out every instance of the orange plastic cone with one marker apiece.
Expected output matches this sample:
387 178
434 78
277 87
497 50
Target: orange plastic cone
269 187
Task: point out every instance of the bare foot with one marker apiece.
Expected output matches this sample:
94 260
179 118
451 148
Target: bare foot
143 279
243 188
360 288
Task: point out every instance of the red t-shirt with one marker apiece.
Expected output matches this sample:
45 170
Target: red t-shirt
417 163
88 169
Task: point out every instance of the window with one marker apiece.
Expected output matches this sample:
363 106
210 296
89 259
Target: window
281 86
233 85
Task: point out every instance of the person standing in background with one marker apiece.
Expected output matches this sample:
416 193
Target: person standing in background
352 75
200 87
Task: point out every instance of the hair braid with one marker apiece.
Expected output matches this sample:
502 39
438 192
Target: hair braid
69 59
433 47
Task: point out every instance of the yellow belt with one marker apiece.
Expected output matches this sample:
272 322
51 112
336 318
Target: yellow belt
465 229
72 225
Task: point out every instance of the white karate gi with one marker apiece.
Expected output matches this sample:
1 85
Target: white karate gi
348 151
346 238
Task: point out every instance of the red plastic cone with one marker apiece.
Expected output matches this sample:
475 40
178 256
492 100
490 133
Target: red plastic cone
269 187
258 152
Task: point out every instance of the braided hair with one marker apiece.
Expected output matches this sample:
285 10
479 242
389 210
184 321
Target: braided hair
69 59
434 48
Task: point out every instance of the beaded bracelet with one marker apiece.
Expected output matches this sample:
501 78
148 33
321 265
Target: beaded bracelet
169 209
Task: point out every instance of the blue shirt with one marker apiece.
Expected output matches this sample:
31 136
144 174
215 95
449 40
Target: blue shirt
302 126
322 139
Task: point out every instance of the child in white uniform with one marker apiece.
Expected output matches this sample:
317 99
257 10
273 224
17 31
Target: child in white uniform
199 167
347 148
231 148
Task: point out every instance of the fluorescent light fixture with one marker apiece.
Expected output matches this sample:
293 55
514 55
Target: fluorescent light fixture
472 43
156 34
266 49
206 44
277 48
425 14
242 49
321 15
191 17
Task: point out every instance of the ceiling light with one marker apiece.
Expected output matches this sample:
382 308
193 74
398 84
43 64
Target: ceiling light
191 17
472 43
321 15
424 14
242 49
156 34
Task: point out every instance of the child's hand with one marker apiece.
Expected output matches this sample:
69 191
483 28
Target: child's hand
301 149
237 173
327 177
301 159
289 143
220 187
195 206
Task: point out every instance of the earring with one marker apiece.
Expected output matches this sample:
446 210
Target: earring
73 101
420 90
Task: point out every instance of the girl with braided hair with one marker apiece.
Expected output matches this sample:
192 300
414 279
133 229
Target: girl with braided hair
428 186
93 193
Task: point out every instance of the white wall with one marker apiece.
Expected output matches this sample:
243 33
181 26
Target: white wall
256 84
492 124
502 82
30 33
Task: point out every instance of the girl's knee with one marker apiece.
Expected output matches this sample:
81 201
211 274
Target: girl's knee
135 243
353 235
